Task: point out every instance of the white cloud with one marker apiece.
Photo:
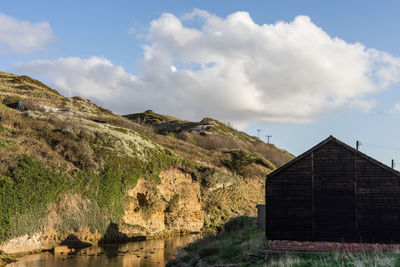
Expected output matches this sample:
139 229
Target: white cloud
95 78
394 110
234 70
23 36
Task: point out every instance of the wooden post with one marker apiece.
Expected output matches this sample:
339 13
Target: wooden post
392 163
355 200
312 195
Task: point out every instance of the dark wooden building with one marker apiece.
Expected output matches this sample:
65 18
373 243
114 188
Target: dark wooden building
333 192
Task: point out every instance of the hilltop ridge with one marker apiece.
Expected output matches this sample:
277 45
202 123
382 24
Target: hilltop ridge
210 134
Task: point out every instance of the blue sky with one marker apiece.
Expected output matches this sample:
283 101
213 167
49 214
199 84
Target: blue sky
107 37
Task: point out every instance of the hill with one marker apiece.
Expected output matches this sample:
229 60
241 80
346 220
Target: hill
210 134
68 166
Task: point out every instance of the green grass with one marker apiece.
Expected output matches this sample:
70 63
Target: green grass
4 141
241 237
336 259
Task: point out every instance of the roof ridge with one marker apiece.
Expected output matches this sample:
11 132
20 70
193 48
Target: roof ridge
337 141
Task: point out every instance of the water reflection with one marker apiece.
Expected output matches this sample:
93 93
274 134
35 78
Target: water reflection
143 253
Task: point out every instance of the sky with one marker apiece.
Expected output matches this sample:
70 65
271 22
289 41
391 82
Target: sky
297 70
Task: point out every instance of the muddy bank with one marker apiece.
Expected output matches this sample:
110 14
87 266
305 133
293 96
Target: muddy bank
141 253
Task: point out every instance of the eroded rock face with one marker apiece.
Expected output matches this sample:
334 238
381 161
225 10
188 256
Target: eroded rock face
173 205
22 244
153 210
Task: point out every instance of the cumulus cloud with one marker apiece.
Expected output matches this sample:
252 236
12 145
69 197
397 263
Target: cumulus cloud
23 36
232 69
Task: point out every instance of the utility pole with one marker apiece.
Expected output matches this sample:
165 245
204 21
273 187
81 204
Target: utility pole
392 163
268 136
358 144
258 133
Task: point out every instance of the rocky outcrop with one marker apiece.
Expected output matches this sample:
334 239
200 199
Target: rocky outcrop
23 244
174 205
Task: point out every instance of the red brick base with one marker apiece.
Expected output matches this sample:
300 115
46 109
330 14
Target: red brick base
329 246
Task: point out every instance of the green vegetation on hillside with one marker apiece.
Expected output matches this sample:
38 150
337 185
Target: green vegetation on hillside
149 117
67 164
45 156
240 159
28 189
210 134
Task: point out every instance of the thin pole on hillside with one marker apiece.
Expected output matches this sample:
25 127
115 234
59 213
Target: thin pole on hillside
268 137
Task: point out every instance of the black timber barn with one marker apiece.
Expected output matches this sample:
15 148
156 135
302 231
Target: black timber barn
333 192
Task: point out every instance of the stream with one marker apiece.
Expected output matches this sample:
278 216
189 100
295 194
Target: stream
147 253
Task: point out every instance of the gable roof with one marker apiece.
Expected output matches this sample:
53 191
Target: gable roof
340 143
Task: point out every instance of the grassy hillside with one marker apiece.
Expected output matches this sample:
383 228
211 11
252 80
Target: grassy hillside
70 166
210 134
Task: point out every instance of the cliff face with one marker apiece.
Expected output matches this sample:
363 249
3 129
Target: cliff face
172 207
177 207
71 169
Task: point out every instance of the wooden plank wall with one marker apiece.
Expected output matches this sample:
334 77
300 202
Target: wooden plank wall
378 202
333 194
334 199
289 208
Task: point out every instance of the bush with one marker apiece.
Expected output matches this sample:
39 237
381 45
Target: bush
238 223
239 160
11 101
215 141
173 203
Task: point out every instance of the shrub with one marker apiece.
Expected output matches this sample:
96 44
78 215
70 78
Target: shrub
275 155
152 121
239 159
215 141
11 101
173 203
105 110
238 223
182 136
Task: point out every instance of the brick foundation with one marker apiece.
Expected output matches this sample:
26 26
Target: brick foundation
329 246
